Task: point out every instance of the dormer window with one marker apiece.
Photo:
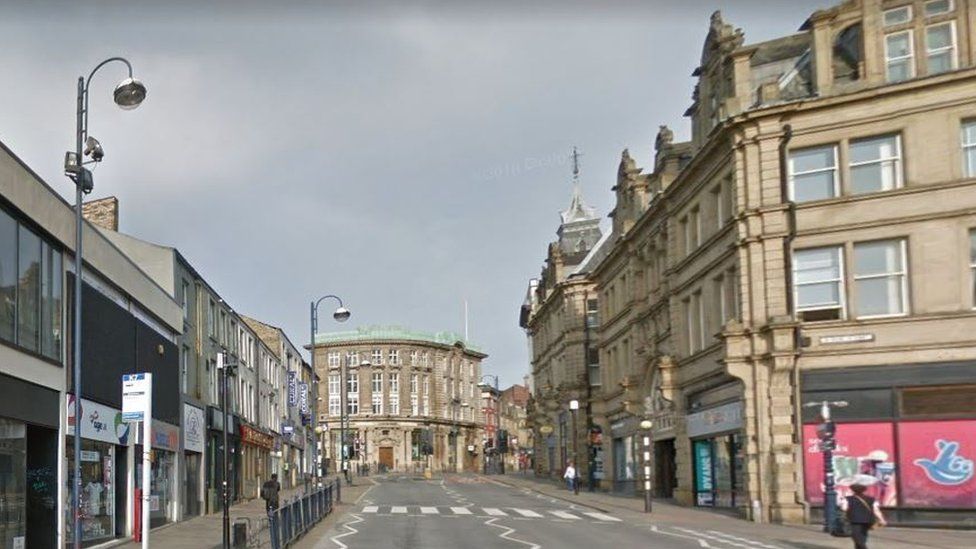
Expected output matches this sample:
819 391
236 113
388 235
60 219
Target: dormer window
899 56
938 7
898 16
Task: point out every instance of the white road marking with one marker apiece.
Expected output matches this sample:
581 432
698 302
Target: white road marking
348 526
429 511
744 540
527 513
601 516
370 509
461 510
565 515
747 545
508 531
701 542
495 512
398 510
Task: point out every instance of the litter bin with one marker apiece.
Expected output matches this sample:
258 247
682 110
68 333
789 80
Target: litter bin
239 534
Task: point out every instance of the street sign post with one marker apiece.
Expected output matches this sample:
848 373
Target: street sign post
137 406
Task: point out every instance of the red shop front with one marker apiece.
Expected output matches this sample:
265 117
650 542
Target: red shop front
922 453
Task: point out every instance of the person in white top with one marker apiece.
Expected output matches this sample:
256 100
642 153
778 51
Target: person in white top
570 476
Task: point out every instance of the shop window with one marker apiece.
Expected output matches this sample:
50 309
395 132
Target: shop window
880 278
875 164
940 47
813 173
957 400
818 283
899 56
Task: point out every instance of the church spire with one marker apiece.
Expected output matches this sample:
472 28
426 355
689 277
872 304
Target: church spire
578 210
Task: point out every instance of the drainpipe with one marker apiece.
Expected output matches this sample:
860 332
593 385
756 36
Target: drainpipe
791 304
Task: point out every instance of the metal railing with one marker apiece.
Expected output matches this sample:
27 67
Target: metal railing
290 521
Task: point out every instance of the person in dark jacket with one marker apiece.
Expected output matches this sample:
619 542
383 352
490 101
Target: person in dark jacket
863 512
269 493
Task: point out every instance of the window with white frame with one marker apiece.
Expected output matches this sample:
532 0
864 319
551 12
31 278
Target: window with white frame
972 265
426 358
880 278
394 357
968 142
427 385
813 173
685 237
718 289
413 384
352 382
940 47
394 404
377 359
415 358
335 405
897 16
377 382
394 382
899 56
352 358
689 327
334 358
938 7
334 384
377 403
414 408
875 164
352 404
818 283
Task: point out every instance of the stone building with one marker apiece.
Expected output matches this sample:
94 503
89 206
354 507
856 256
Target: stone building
558 316
398 385
514 423
812 241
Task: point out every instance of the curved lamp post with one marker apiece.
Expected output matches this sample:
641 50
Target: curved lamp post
341 314
128 95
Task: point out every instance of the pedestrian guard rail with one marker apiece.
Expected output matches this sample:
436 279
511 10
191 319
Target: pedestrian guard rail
297 516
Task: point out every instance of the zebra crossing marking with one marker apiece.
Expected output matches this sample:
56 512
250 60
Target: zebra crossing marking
461 510
398 510
371 509
494 512
565 515
601 516
527 513
429 511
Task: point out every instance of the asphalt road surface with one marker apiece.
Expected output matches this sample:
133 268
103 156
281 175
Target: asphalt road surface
405 512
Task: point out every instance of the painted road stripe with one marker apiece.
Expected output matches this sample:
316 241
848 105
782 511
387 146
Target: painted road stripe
495 512
370 509
565 515
527 513
461 510
601 516
429 511
398 510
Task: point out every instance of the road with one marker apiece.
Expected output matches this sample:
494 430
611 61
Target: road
456 512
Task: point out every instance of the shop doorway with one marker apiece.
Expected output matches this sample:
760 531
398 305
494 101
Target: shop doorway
386 458
665 469
192 481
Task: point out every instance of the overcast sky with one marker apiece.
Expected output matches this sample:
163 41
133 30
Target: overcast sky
404 158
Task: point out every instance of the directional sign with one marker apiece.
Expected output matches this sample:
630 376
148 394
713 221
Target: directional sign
136 392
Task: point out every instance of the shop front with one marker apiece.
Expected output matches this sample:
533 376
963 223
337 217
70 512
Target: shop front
103 457
162 473
194 445
717 451
255 459
215 458
625 454
913 428
28 464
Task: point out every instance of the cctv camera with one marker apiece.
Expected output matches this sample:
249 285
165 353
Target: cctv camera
94 149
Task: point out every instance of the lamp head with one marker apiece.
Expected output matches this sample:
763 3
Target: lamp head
574 404
130 93
341 314
94 149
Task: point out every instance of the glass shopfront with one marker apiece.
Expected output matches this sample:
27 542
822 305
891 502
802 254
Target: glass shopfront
162 474
97 502
718 456
13 483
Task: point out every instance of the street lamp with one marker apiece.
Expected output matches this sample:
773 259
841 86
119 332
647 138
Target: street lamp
341 314
826 431
128 95
646 426
574 407
226 369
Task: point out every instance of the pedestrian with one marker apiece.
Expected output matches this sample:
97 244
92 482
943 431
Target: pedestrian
269 493
863 513
570 476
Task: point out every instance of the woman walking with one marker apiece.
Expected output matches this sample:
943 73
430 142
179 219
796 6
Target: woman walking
863 512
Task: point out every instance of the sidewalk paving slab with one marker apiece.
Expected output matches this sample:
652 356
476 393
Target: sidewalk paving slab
806 536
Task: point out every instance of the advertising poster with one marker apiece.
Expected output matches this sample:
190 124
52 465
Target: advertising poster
936 463
292 389
704 482
862 448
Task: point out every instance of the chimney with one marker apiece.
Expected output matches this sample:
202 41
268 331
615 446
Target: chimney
103 212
